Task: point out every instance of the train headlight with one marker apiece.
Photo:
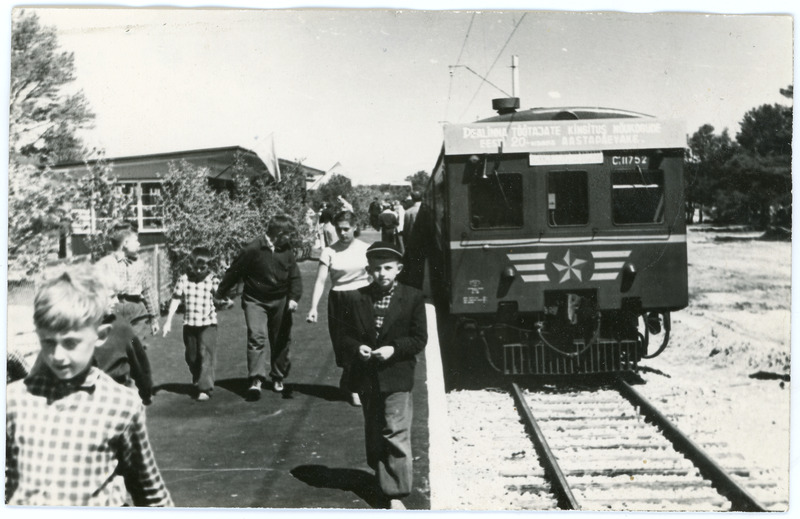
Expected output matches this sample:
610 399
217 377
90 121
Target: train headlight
628 276
509 272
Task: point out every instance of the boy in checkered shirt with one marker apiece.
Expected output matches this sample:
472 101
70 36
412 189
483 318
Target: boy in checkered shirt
195 289
74 436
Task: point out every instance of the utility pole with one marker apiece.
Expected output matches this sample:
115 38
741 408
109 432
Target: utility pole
515 76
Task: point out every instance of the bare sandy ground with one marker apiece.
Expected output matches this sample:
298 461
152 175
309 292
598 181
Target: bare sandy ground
737 325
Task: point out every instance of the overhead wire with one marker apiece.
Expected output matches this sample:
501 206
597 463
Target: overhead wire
458 61
493 64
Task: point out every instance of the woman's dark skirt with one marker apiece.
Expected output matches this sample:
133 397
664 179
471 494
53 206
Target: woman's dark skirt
336 318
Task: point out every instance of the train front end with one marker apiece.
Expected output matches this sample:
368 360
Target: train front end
563 239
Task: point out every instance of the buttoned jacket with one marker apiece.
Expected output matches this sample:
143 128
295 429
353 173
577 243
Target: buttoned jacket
404 327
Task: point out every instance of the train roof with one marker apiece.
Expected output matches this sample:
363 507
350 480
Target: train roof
569 113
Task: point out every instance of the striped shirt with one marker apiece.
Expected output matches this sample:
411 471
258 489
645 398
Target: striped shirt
197 299
130 278
78 443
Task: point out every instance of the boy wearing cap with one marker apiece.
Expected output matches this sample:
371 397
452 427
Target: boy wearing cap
387 330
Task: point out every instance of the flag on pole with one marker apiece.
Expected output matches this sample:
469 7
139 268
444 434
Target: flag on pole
325 177
266 150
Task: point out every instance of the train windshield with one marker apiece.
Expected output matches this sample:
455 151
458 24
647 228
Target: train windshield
637 196
567 198
496 201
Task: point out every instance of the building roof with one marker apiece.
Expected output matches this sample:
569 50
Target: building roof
219 162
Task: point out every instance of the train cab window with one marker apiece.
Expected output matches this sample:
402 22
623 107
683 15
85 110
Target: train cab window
567 198
496 201
637 196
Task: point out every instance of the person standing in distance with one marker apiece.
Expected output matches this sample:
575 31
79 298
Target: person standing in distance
272 288
411 216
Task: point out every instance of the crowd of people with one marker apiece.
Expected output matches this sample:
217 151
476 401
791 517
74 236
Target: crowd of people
92 323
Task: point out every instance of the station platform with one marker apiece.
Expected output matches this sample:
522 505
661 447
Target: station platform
300 449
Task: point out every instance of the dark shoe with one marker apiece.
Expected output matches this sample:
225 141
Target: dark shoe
254 393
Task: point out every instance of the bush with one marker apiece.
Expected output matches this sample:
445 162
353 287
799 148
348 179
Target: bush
227 216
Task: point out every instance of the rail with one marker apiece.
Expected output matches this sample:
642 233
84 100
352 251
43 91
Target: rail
741 500
560 487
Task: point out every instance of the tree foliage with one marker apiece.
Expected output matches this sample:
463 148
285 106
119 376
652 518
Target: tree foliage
746 181
102 202
767 131
419 180
328 193
44 115
224 217
43 120
39 209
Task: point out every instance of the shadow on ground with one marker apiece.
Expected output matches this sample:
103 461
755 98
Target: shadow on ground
239 386
361 483
178 389
329 393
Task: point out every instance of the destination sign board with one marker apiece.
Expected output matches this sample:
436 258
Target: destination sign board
563 136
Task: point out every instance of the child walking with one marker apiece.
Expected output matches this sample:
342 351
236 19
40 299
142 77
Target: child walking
74 436
196 290
387 330
272 288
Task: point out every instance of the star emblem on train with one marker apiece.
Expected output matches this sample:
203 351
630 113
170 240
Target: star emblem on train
570 267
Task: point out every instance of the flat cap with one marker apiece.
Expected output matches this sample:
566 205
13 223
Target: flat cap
384 249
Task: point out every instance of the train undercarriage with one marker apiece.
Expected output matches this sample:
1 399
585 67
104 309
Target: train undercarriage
572 336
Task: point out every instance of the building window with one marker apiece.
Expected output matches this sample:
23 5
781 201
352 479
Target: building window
148 213
144 198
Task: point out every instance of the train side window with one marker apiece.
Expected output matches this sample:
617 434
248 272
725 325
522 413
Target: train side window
496 201
637 196
567 198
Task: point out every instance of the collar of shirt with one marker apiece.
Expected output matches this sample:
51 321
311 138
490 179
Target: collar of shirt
266 243
379 293
42 381
121 257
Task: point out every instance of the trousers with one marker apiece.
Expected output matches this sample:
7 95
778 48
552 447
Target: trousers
387 430
267 322
201 355
136 315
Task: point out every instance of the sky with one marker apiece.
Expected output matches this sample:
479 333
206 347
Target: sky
371 89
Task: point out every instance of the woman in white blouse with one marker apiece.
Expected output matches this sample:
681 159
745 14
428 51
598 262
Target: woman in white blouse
345 261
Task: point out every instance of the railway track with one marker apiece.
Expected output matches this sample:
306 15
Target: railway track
610 449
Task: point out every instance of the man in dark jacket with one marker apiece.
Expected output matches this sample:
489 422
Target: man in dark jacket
387 328
272 288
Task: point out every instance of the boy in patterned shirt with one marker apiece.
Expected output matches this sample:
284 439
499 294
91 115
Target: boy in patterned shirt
196 289
73 435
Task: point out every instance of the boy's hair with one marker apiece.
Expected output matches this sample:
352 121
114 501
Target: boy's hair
75 299
201 253
279 224
119 232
